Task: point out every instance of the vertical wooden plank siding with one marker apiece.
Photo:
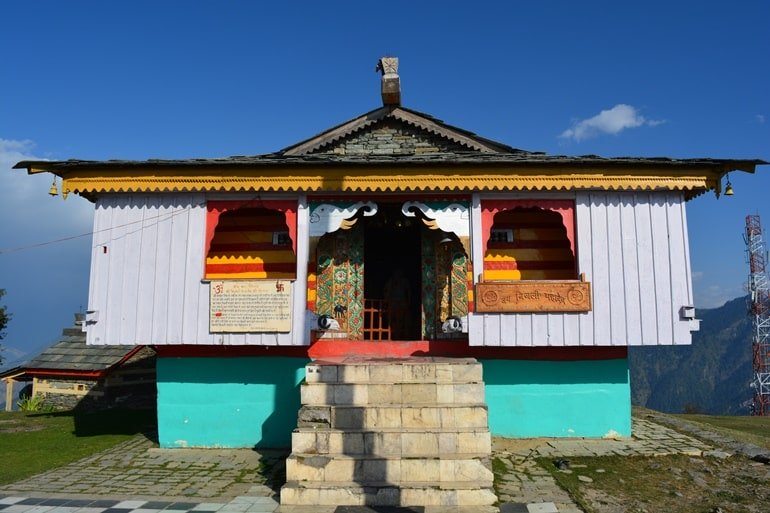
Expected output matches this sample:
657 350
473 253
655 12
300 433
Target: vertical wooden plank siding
161 282
194 265
134 220
147 269
680 268
584 242
631 278
178 272
147 288
618 293
633 249
600 279
115 247
647 293
661 257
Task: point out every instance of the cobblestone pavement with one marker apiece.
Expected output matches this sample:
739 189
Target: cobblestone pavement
138 478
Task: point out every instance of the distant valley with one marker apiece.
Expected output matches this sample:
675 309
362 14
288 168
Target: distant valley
711 376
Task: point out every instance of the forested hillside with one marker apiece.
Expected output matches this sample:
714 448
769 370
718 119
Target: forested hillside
710 376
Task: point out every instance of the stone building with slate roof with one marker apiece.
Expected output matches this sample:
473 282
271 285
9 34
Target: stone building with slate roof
391 235
70 374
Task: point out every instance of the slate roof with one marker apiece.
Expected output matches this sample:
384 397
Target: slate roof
480 151
70 353
428 158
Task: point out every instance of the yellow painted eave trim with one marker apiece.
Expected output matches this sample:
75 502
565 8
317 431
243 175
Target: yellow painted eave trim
455 178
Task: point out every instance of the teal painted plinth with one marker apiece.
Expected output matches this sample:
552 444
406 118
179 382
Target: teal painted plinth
590 398
228 402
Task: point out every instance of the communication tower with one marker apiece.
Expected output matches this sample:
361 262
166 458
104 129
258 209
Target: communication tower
759 310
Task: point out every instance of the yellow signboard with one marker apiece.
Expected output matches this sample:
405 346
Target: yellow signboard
250 306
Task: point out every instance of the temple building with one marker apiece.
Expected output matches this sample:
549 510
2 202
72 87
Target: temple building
388 237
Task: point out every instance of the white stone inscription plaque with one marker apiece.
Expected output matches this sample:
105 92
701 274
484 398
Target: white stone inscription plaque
242 306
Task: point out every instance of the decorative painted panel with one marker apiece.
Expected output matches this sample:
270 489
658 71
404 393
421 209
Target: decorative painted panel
340 278
444 281
633 248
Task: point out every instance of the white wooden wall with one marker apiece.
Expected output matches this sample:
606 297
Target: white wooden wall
147 265
148 261
633 248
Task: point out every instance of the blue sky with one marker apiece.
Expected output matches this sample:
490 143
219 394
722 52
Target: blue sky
138 80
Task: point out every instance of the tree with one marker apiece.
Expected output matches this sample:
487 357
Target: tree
4 318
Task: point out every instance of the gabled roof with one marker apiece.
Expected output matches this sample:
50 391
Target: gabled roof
71 355
424 154
410 117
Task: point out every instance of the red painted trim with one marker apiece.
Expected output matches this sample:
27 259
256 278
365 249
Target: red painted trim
537 265
565 208
193 351
66 373
239 247
251 268
215 208
455 348
528 244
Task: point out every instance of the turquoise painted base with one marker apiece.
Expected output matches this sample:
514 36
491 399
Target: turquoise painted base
228 402
589 398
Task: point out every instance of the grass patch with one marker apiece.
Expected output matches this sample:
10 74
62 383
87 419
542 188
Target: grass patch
674 484
755 430
31 443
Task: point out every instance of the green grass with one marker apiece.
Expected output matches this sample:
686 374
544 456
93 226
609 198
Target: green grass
31 443
755 430
671 484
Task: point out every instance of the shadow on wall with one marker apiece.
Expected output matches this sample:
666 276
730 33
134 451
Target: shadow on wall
228 402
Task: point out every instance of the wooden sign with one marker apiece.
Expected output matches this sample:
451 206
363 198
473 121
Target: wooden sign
533 296
250 306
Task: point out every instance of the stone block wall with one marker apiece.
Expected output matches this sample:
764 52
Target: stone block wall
388 137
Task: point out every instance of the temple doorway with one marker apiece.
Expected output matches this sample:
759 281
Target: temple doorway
393 285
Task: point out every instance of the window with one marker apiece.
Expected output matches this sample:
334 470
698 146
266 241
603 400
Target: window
528 240
254 242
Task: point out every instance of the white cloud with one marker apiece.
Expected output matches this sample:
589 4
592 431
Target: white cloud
24 198
760 119
610 121
697 275
44 284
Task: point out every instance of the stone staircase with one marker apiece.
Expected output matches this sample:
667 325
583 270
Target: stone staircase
391 432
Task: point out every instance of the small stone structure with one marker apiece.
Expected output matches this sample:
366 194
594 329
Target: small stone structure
70 374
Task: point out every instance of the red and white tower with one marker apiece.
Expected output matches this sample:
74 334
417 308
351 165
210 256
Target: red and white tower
759 310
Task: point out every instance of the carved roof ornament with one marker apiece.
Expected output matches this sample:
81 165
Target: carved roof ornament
391 83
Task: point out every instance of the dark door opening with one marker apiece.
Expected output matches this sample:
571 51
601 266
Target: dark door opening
393 278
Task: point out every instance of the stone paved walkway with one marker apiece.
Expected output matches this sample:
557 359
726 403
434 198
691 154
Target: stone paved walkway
137 478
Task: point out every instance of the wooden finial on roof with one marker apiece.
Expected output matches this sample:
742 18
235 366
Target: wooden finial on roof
391 84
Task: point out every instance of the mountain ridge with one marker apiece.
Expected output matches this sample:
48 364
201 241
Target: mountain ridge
710 376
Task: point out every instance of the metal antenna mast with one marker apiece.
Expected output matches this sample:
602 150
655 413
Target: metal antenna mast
759 310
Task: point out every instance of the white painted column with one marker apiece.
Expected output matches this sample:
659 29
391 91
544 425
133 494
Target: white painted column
477 249
300 285
475 320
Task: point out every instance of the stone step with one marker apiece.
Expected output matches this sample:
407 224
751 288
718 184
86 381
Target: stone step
395 371
389 416
392 442
395 470
394 394
385 494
